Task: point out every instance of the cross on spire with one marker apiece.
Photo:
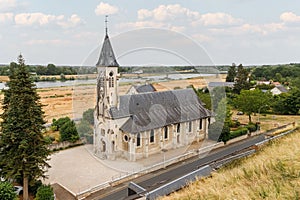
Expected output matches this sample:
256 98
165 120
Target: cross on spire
106 16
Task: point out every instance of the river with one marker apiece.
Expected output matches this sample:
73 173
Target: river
50 84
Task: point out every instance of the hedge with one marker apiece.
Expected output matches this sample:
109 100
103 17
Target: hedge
237 133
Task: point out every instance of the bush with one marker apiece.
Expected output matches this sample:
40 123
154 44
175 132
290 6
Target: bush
251 127
67 129
237 133
49 139
45 192
68 132
7 191
219 131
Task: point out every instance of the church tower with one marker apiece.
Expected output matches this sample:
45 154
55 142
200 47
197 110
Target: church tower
107 98
107 87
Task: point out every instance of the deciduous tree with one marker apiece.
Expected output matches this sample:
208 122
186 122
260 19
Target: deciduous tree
252 101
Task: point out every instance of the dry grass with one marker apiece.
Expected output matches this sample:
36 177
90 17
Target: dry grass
272 173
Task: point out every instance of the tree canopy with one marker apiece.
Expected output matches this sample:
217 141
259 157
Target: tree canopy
252 101
231 73
242 80
23 151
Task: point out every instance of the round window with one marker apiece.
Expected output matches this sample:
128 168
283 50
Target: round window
126 138
111 73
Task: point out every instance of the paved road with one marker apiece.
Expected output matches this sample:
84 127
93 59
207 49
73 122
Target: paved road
161 177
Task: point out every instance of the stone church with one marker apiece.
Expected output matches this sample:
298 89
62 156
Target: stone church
144 121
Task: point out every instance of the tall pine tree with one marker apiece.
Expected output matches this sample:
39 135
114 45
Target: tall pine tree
241 80
23 151
231 73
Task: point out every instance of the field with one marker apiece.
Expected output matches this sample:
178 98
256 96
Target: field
73 101
272 173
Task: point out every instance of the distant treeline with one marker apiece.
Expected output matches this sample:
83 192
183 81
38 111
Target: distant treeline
51 69
277 72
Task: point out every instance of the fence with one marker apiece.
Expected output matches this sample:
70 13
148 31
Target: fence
129 176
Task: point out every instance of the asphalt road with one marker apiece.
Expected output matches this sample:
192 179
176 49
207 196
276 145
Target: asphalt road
156 179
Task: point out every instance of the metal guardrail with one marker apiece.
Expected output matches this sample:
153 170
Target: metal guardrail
157 166
178 183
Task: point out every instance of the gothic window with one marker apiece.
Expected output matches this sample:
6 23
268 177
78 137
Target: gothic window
138 140
165 132
190 127
178 128
111 79
200 124
152 136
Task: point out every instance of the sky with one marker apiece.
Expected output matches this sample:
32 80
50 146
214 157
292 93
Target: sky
143 32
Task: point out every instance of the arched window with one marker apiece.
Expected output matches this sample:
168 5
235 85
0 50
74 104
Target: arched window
178 128
190 126
166 132
138 140
111 79
152 136
200 124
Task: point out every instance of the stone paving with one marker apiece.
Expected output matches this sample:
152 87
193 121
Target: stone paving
78 170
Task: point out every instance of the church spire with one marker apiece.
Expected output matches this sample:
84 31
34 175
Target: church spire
107 57
106 16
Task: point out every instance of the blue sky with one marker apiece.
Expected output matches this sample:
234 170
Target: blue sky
67 32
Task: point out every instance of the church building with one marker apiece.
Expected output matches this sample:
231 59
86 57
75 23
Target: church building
144 121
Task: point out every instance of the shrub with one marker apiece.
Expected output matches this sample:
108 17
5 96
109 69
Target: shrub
45 192
49 139
68 132
237 133
7 191
251 127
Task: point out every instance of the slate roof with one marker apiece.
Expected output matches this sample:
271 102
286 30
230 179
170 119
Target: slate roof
148 111
281 88
107 57
144 88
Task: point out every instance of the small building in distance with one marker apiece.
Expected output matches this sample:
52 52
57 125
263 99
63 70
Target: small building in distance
144 121
278 89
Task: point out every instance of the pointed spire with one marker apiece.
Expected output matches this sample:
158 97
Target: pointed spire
107 57
106 16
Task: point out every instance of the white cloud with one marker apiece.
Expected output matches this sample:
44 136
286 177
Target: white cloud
142 24
47 42
167 12
106 9
289 17
7 4
28 19
217 19
41 19
73 21
262 29
5 17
